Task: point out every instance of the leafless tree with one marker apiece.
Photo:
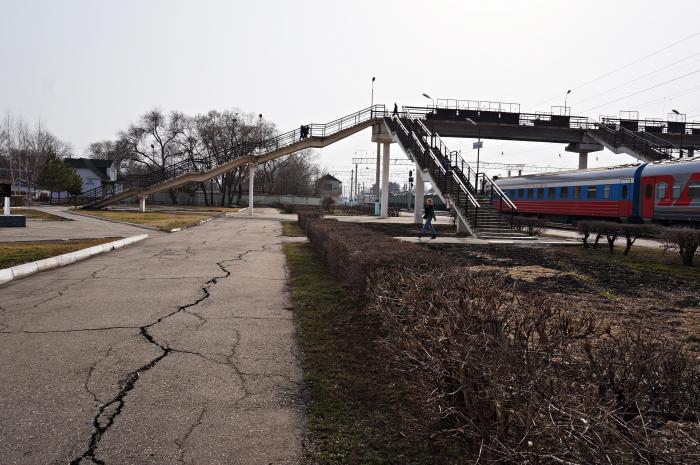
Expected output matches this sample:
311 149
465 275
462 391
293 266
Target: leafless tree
23 150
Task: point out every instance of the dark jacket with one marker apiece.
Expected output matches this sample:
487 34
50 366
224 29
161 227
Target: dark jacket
429 212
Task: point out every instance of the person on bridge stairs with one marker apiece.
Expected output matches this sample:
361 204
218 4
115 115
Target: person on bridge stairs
396 109
428 216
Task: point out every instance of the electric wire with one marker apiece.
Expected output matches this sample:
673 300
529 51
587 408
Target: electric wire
602 76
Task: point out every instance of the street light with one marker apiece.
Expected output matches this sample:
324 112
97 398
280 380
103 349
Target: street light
372 101
566 97
681 148
477 145
429 98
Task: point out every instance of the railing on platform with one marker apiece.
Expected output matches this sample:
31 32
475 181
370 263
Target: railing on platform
258 148
450 171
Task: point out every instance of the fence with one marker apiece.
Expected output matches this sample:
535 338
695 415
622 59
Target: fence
163 198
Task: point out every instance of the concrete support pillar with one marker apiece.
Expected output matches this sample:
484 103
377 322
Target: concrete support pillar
142 204
461 227
418 201
583 160
385 181
6 209
251 185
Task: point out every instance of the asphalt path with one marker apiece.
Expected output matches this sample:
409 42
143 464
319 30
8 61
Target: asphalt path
178 349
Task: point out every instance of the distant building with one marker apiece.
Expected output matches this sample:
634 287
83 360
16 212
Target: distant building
329 187
94 173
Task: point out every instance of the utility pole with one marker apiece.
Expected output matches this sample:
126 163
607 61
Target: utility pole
352 180
356 181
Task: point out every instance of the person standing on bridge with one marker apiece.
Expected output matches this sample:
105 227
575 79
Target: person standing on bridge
396 109
428 216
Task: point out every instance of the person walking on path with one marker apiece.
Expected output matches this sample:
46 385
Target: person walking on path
428 216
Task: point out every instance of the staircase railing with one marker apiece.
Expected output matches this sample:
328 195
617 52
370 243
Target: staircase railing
460 166
258 148
618 136
430 159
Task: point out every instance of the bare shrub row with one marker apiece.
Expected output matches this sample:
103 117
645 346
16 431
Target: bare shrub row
353 252
515 377
519 379
684 240
531 225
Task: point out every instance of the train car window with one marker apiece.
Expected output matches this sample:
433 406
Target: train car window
677 187
648 191
540 193
661 190
623 191
530 194
606 192
577 192
592 192
551 193
564 193
694 189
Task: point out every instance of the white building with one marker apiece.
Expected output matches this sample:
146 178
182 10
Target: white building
94 173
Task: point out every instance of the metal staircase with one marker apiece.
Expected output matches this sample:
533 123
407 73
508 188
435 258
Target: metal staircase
199 170
642 145
480 204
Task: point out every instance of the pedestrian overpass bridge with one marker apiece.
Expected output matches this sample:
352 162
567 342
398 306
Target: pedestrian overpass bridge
476 199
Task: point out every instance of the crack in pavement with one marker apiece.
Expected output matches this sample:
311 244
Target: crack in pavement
114 407
180 443
91 370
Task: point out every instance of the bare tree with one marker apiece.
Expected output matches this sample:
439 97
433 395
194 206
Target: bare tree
116 150
23 151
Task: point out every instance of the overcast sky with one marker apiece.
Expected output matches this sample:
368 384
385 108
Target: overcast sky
88 68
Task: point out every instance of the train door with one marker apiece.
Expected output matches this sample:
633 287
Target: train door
648 195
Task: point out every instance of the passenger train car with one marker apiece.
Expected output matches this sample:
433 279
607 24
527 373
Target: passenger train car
666 192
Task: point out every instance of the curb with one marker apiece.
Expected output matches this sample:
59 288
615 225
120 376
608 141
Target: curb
26 269
152 228
142 226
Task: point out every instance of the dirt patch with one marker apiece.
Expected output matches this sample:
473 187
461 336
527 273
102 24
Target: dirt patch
617 289
525 273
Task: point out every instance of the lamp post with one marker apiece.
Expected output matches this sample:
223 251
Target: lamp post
371 106
477 145
566 97
680 155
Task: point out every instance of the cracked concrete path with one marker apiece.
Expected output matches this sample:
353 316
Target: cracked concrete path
177 350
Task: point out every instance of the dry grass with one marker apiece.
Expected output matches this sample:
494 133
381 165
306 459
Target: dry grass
32 214
164 221
17 253
292 229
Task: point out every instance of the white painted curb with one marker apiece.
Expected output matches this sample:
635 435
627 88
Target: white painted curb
26 269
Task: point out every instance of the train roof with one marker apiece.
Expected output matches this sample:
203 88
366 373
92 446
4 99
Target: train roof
622 171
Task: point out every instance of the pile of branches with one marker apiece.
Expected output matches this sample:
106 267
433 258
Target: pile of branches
520 379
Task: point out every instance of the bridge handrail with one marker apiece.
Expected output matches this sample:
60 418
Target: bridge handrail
242 149
436 159
461 163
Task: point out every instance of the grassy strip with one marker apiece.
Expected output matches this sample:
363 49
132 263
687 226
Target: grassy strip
640 259
32 214
354 409
16 253
292 229
164 221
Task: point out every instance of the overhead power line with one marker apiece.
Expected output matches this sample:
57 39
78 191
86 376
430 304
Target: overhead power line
632 63
644 90
665 67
